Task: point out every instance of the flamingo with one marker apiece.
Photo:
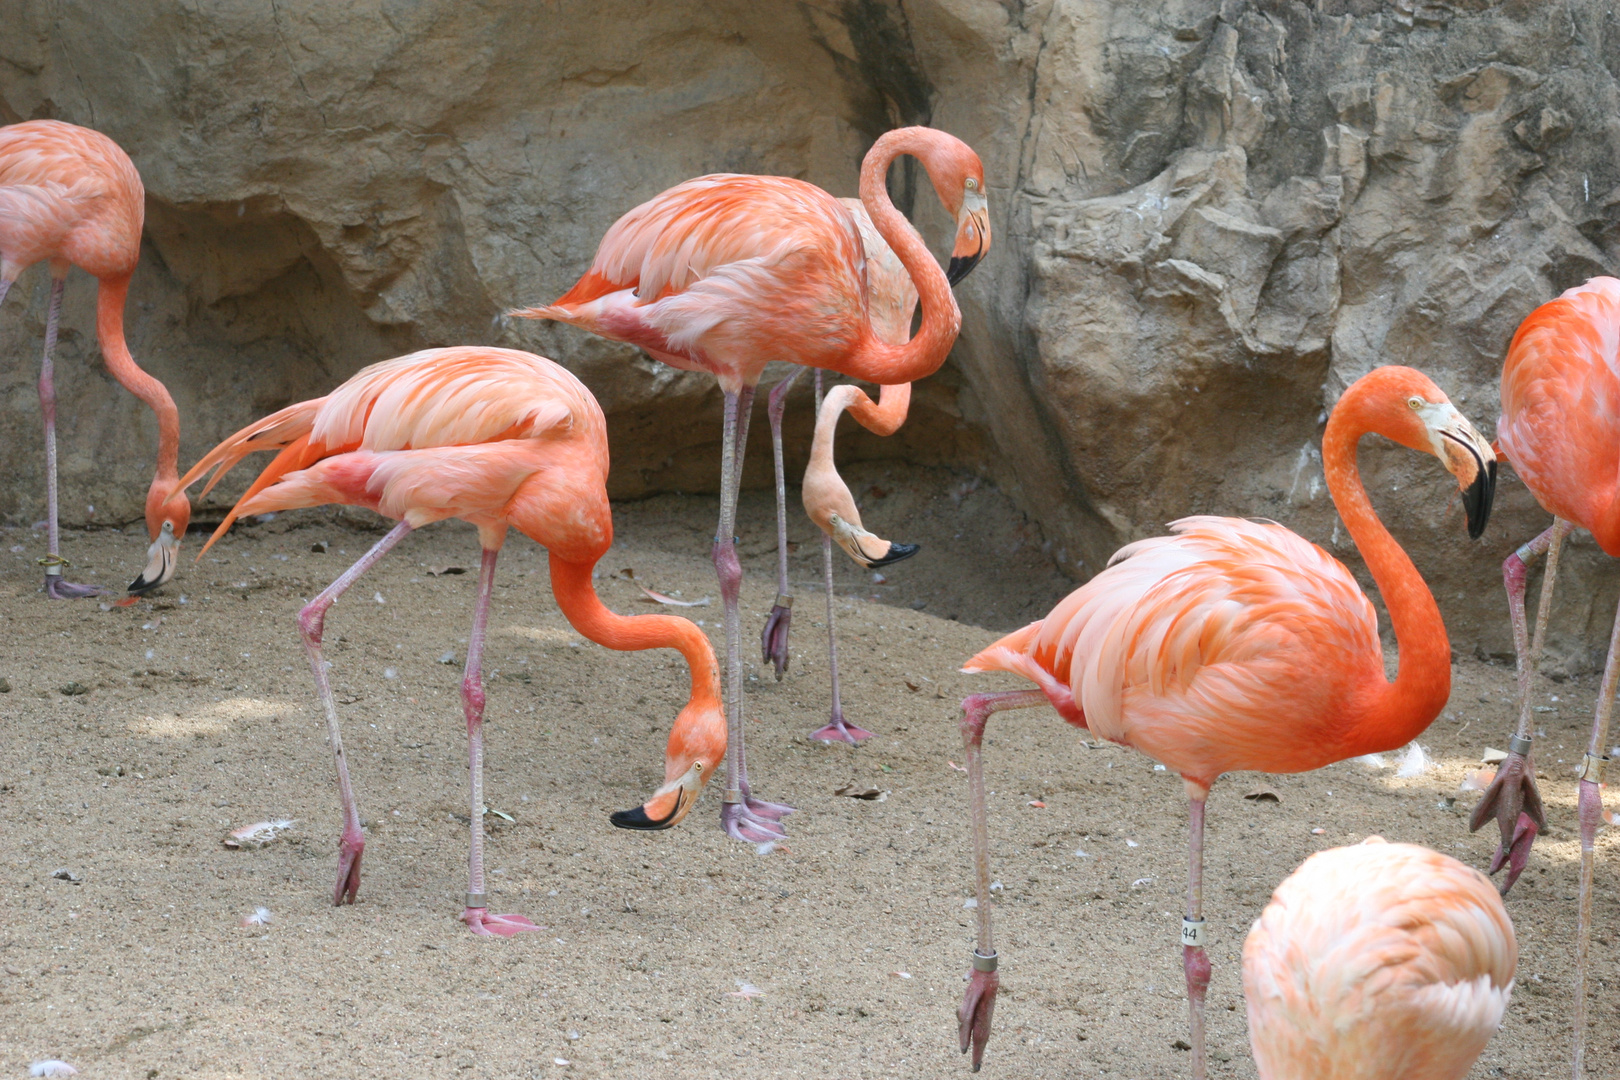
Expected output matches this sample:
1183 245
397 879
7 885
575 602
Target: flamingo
502 439
726 273
1560 398
1377 960
1237 644
891 299
71 196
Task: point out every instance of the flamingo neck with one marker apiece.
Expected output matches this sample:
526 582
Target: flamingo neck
874 359
1386 715
110 296
576 596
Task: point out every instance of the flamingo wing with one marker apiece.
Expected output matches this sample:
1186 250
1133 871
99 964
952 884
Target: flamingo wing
68 192
1229 645
891 295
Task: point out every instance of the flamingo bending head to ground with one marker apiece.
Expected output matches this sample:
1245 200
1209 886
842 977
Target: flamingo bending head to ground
502 439
1238 645
1560 427
70 196
1376 961
725 274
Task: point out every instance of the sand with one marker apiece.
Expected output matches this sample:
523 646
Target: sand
133 740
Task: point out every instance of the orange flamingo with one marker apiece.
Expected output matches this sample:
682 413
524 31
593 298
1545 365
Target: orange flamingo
500 439
891 299
726 273
1560 400
1238 645
71 196
1378 960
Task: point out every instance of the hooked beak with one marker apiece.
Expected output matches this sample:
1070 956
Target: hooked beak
667 806
1471 460
867 549
972 238
160 562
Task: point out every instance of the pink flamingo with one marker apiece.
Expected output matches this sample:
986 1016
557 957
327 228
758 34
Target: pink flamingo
71 196
1385 960
891 299
1238 645
501 439
1560 400
726 273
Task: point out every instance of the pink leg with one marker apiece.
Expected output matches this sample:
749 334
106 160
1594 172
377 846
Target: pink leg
1590 808
741 815
55 586
311 624
476 915
837 727
774 640
1512 798
979 1002
1193 958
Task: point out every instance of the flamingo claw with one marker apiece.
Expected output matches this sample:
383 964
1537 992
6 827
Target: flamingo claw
773 641
754 821
973 1018
482 923
58 589
839 730
1512 799
350 851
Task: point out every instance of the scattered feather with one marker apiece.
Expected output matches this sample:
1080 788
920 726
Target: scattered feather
997 886
766 848
258 834
902 974
746 991
1373 761
449 657
955 766
1132 843
64 874
1141 881
1081 853
970 902
441 571
1414 762
377 596
660 598
1037 804
564 1062
390 673
1260 795
260 916
1477 780
879 579
52 1068
1318 831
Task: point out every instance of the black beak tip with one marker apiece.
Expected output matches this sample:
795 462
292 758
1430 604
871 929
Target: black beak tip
637 819
960 266
897 553
1477 500
140 586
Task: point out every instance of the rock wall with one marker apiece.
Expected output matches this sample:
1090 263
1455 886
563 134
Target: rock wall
1210 217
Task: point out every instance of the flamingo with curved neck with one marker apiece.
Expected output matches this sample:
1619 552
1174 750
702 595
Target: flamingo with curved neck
69 195
727 273
1238 645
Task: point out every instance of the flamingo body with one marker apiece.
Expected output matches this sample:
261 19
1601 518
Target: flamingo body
1376 961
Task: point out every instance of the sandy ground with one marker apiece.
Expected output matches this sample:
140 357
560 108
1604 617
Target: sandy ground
132 740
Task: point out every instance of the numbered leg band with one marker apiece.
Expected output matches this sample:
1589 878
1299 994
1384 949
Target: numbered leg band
1192 933
784 600
1519 746
984 963
1592 767
733 795
477 900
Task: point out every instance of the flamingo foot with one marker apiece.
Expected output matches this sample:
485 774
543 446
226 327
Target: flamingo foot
773 641
838 730
482 923
1512 799
754 821
350 850
58 589
973 1018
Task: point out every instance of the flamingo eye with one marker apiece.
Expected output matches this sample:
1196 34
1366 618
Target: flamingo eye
1415 401
972 184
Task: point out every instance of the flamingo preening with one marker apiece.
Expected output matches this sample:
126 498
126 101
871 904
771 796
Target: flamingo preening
1560 427
891 299
502 439
725 274
1238 645
1376 961
71 196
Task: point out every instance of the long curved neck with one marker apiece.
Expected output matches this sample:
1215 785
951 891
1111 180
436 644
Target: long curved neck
874 359
576 596
110 296
1387 715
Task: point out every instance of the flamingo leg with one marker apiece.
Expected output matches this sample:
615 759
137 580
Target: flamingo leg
311 625
773 641
837 727
741 815
55 587
1590 809
1512 797
476 915
979 1002
1194 960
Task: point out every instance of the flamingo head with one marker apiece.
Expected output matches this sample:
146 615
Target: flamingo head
958 177
1414 412
697 746
167 515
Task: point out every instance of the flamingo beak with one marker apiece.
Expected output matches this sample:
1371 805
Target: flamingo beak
867 549
160 562
972 237
1468 457
668 805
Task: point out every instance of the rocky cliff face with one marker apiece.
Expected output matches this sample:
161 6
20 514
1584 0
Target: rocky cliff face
1210 217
